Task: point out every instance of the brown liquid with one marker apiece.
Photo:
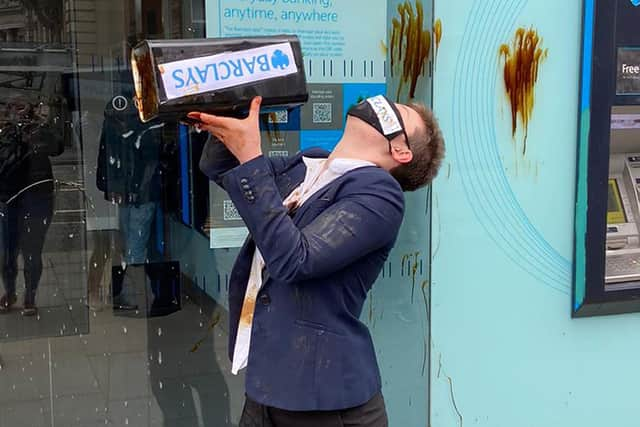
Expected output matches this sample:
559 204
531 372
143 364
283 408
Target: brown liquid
248 309
146 94
521 64
383 48
214 322
437 33
269 121
410 45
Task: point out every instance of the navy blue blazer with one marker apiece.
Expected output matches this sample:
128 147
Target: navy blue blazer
309 349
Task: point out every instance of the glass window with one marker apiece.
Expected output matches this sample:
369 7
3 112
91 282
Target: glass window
116 251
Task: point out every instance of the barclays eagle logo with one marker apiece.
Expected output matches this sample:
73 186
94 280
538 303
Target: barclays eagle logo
635 2
281 60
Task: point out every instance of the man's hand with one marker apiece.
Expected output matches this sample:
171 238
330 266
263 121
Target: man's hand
240 136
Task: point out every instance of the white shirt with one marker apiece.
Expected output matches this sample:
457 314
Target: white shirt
318 176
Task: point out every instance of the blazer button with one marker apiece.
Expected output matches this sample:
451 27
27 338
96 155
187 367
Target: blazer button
246 187
265 299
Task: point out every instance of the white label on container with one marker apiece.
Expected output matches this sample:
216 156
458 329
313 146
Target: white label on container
386 116
224 70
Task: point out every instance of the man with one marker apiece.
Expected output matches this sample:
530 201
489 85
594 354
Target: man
321 228
129 174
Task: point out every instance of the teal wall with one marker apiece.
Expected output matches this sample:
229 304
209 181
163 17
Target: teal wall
505 351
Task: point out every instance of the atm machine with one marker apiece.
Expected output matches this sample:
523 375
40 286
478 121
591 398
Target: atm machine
622 269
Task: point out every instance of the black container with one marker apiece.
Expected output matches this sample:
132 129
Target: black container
218 76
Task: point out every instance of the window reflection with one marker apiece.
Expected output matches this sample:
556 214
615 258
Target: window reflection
89 202
38 217
29 134
103 226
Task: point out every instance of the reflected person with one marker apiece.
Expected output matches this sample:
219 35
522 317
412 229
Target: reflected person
129 175
185 375
31 133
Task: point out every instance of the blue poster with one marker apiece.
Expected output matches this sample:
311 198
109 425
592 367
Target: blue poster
342 62
335 44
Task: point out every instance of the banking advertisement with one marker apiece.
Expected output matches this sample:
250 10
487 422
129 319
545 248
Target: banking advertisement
343 65
628 75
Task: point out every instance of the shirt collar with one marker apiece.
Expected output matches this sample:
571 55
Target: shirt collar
338 166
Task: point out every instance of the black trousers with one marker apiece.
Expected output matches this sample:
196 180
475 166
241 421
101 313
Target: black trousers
25 223
371 414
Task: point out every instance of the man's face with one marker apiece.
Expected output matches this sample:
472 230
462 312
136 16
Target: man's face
413 124
396 122
381 114
43 111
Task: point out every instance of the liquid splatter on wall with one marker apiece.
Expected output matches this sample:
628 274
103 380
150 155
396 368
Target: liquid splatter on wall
437 34
522 62
410 45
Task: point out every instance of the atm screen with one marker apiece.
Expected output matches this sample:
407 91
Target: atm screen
615 211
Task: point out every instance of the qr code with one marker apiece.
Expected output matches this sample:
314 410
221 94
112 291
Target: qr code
278 153
230 213
322 112
279 117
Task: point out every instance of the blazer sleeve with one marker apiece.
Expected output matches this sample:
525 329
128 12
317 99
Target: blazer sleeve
216 160
366 219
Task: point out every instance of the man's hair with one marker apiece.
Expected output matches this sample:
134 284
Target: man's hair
427 146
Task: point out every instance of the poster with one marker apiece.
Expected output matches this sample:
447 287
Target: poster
343 63
342 40
628 76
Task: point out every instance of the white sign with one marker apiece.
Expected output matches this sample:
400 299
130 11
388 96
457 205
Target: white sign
386 116
211 73
119 103
233 237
